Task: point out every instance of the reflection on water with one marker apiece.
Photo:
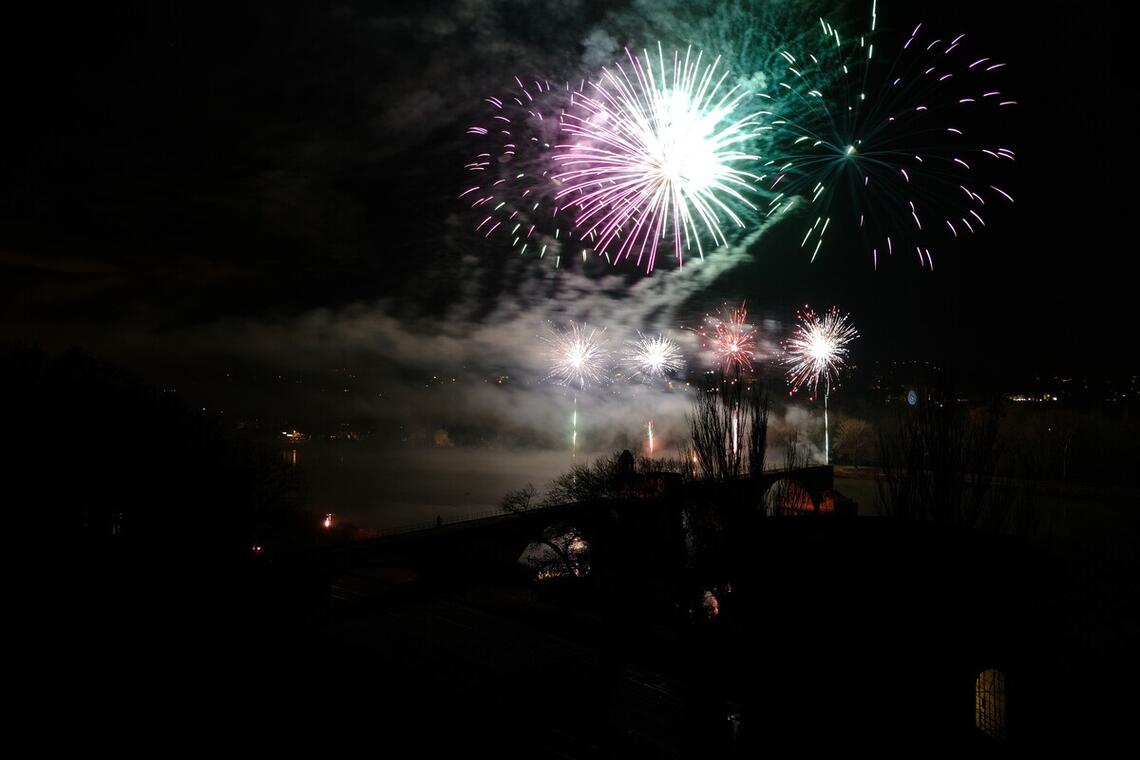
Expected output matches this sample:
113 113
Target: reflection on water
375 486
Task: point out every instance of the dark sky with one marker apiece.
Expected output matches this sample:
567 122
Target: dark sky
177 173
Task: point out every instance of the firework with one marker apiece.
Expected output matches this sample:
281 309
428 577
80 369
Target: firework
578 355
902 149
653 357
731 339
653 153
817 351
510 187
574 430
735 433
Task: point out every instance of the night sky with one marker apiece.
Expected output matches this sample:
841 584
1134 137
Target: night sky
194 191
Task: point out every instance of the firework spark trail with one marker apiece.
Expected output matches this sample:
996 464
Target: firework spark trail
511 189
653 357
731 339
653 154
735 432
817 351
903 143
578 355
574 431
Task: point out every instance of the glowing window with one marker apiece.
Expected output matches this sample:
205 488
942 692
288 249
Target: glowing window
989 704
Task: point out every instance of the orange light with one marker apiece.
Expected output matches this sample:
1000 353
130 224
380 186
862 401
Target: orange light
328 520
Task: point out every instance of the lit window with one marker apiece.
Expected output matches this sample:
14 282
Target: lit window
989 704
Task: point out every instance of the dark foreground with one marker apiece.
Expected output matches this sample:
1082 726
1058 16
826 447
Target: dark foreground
829 633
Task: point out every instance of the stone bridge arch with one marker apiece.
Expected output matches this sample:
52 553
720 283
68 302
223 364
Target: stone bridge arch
786 496
557 541
803 490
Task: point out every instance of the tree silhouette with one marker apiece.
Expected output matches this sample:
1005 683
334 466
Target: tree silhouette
728 428
941 463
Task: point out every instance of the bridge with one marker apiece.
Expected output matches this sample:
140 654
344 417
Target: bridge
647 519
817 483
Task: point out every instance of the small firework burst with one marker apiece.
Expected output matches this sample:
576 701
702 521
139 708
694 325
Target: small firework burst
731 339
578 354
653 356
817 349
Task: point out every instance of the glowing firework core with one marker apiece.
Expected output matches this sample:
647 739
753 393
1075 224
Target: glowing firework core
821 349
681 153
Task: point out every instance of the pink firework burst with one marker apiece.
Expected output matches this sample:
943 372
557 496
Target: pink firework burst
657 151
731 339
510 188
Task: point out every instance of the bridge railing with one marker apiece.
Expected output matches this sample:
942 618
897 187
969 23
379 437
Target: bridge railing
452 519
